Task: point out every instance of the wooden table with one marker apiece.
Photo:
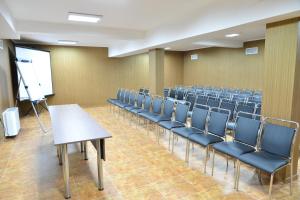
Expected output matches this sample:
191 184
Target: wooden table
71 124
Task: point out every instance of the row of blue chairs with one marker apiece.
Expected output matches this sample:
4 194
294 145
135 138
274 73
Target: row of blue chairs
261 142
180 93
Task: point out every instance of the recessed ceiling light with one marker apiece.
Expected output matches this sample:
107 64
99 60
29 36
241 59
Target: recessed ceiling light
167 48
67 42
81 17
232 35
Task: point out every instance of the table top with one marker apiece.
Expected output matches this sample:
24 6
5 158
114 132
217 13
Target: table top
70 124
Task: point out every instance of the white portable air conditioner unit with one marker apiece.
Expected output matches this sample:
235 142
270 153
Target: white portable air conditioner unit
11 121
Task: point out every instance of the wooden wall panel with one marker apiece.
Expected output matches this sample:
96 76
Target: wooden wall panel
87 76
282 74
279 70
6 95
225 67
173 74
156 71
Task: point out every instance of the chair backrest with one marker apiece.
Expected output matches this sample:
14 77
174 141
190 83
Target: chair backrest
242 107
166 92
204 107
141 91
147 103
168 108
278 139
217 121
228 105
180 94
119 94
201 100
140 100
258 110
156 105
122 95
225 95
199 118
146 91
172 93
247 130
126 96
132 98
181 112
213 102
191 98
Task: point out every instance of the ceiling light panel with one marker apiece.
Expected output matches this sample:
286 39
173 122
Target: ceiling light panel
81 17
67 42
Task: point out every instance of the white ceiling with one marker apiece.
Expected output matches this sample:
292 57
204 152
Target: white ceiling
134 26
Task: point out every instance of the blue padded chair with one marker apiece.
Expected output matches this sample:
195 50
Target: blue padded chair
245 110
156 109
275 150
112 100
213 102
172 93
216 130
201 100
146 108
180 94
121 100
132 99
166 92
139 104
179 121
168 109
191 98
245 140
228 105
198 125
141 90
125 101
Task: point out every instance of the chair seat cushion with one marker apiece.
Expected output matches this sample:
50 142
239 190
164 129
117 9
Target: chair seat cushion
263 160
145 114
234 149
112 101
136 110
170 124
186 132
231 125
159 118
205 139
128 108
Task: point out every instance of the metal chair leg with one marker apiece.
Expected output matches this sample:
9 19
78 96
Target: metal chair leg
226 163
173 136
271 184
169 140
291 178
206 158
187 148
213 162
237 175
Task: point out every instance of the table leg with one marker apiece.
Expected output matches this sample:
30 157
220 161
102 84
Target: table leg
85 150
81 147
65 160
59 154
99 166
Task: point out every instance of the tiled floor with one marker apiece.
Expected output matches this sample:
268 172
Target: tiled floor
136 168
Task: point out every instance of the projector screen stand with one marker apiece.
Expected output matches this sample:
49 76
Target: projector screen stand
32 101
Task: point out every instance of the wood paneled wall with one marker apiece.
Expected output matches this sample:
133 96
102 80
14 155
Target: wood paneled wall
225 67
173 74
6 95
282 74
87 76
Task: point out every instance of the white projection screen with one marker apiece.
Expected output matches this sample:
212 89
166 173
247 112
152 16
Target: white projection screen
42 69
